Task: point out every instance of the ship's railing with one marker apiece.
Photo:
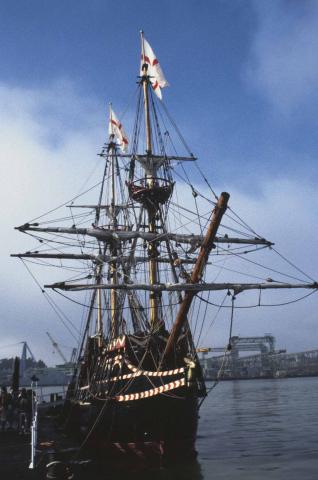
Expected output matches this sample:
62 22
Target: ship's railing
159 191
40 397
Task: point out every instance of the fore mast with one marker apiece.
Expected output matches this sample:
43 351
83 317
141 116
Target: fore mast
114 225
111 212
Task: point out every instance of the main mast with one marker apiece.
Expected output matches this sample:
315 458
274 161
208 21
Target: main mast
150 180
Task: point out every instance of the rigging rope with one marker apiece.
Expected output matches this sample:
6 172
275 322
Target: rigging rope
293 265
65 203
261 304
51 302
262 266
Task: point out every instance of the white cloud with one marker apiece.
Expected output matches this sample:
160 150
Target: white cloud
283 62
37 174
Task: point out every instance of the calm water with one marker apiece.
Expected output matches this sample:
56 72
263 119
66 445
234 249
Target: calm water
260 429
255 430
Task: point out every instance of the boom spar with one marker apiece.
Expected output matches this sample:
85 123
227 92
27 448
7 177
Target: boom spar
186 287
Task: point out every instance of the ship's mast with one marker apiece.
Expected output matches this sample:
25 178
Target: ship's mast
150 176
112 266
99 320
198 270
145 83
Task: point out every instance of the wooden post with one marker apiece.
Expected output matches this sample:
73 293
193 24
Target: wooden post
197 272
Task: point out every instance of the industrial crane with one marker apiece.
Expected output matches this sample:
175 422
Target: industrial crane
57 348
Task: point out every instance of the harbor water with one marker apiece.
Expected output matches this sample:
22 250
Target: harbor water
250 430
260 429
254 430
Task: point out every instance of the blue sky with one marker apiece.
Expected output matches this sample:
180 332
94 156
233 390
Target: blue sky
237 69
243 76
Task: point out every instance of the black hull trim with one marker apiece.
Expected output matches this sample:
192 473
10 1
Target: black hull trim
153 431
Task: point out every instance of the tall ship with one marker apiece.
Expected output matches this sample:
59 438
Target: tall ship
143 258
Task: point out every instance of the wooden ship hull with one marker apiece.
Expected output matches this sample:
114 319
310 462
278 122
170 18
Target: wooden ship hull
128 412
150 432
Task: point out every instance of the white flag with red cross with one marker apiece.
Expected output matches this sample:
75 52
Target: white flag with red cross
155 72
116 129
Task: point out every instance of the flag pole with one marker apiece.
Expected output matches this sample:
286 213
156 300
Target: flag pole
111 118
145 81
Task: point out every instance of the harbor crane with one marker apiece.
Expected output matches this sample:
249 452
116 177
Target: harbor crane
264 344
57 348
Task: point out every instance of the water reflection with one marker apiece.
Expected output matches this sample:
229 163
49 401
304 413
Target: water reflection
182 471
257 422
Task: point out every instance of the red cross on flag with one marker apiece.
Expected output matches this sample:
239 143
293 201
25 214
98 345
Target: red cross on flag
116 129
155 72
